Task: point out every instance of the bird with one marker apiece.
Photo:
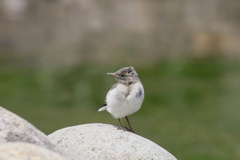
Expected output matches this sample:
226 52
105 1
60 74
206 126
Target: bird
125 97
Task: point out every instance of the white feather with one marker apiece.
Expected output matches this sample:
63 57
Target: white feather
102 109
122 100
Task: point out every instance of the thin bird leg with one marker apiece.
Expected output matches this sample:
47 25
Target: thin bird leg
131 130
120 125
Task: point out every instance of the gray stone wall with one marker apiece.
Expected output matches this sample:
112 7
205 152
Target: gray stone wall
71 32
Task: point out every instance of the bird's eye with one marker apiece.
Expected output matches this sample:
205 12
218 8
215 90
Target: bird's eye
122 75
129 71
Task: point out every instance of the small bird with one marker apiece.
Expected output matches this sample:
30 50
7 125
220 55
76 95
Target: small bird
125 97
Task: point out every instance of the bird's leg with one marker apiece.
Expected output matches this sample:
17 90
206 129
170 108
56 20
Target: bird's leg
131 130
125 129
120 126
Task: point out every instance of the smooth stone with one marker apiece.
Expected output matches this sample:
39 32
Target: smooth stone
106 142
15 129
27 151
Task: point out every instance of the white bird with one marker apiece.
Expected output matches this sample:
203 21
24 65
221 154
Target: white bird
125 97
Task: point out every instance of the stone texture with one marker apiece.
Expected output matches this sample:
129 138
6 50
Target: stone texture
106 142
15 129
27 151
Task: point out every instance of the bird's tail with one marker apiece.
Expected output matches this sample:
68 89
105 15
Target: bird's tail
103 108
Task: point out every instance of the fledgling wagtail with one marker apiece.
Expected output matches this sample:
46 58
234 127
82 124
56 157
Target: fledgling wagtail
126 96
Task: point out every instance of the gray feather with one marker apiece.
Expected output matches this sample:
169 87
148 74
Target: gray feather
139 93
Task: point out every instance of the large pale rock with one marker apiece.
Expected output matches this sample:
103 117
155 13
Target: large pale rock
106 142
15 129
27 151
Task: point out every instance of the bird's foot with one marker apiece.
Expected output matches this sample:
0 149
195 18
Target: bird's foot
126 129
131 130
122 128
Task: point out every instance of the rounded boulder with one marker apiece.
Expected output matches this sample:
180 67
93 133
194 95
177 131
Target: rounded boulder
106 142
24 151
15 129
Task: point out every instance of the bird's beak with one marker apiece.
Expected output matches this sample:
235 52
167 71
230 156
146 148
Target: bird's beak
112 74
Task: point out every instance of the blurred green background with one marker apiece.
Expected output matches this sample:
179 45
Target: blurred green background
54 56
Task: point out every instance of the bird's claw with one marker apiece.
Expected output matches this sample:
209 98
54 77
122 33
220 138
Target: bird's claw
126 129
122 128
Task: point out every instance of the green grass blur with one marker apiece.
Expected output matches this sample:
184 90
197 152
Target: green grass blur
191 108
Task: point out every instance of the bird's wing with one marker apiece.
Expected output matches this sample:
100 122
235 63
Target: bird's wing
104 106
114 86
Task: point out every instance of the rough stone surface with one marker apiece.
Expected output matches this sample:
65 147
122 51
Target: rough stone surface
106 142
27 151
15 129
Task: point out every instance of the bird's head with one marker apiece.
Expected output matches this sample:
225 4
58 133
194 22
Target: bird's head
125 75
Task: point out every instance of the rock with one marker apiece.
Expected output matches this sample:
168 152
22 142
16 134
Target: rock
15 129
103 142
23 151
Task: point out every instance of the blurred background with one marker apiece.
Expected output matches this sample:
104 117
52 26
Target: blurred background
54 56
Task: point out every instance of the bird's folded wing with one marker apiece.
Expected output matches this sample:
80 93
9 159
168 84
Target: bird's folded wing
114 86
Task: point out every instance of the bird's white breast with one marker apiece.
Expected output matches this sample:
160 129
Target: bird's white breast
125 100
